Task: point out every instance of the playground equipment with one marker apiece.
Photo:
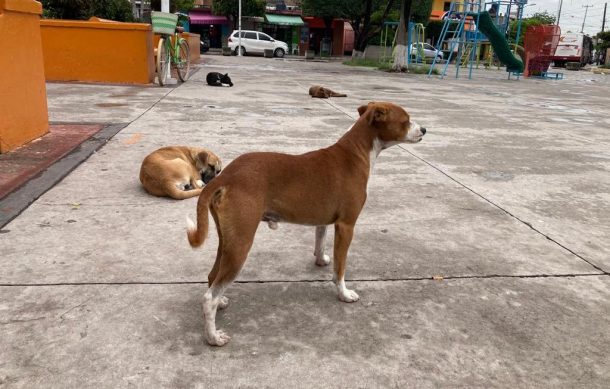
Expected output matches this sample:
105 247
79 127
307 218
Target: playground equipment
540 45
416 38
468 24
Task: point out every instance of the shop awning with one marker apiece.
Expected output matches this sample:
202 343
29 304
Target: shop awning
205 18
284 20
315 22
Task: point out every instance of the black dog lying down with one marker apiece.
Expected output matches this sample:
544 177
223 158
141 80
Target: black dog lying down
218 79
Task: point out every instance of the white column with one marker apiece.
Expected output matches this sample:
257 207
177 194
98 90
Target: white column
164 5
239 29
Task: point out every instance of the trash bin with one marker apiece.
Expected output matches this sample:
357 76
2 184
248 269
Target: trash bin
268 53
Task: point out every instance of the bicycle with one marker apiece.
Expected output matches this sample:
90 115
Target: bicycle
172 51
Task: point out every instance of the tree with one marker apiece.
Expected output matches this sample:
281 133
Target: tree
230 8
537 19
421 11
365 16
402 36
603 44
174 5
119 10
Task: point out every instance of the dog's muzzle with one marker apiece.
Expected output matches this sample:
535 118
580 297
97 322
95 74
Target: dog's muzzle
208 175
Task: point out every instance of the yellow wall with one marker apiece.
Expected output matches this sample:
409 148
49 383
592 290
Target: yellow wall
438 5
23 95
98 51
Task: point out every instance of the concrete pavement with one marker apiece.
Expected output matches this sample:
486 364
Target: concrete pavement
506 199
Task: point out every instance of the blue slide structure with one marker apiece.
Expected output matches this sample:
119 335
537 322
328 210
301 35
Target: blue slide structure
513 62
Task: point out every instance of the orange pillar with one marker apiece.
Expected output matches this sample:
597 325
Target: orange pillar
23 94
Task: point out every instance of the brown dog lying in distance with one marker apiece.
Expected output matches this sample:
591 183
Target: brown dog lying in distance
320 188
179 172
324 93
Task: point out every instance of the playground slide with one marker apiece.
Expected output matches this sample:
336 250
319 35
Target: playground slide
498 41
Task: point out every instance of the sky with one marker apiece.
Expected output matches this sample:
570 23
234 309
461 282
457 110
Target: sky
573 13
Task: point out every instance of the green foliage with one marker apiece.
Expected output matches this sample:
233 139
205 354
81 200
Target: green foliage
387 66
603 41
537 19
231 7
420 11
119 10
174 5
367 63
332 8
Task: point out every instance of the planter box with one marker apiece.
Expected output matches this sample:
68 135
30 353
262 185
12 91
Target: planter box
573 65
98 51
227 51
310 54
268 53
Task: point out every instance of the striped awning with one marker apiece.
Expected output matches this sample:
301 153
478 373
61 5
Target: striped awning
206 18
284 20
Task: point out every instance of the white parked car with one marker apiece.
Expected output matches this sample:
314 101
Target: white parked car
429 51
256 42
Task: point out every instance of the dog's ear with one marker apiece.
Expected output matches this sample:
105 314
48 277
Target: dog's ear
203 156
226 74
380 114
376 114
362 109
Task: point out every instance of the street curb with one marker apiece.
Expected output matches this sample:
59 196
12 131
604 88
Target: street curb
17 201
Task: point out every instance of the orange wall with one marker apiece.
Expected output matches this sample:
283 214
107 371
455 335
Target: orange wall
23 95
98 51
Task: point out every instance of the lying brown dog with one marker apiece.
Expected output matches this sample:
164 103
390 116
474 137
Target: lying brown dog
324 93
318 188
178 171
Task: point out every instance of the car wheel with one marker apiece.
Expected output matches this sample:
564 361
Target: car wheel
279 53
439 58
243 50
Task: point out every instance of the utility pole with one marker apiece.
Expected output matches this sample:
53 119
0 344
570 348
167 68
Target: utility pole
586 7
559 12
604 19
239 28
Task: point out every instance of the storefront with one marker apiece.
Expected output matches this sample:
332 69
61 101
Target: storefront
212 28
340 41
285 28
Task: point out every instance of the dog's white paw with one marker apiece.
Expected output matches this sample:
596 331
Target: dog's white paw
348 296
219 338
272 225
322 260
223 302
199 183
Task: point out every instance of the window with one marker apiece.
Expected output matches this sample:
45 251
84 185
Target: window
264 37
446 6
250 35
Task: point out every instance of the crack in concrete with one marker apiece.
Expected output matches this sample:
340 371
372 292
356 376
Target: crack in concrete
303 281
598 268
505 211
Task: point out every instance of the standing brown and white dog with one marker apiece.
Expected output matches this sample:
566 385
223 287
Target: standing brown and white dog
178 171
319 188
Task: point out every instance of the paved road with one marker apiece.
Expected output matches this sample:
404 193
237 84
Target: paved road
507 200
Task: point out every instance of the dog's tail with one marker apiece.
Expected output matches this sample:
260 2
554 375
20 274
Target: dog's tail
197 234
335 94
182 194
